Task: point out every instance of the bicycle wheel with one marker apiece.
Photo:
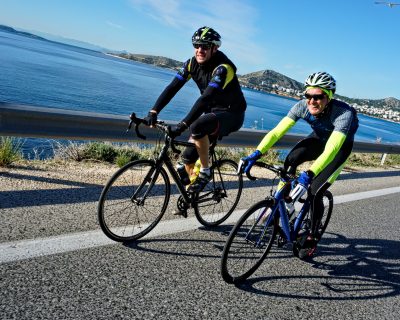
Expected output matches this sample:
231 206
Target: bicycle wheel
221 195
249 243
133 201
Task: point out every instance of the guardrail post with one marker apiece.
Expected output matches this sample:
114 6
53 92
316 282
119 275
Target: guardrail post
383 158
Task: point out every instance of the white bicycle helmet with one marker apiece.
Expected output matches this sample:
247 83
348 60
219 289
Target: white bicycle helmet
321 80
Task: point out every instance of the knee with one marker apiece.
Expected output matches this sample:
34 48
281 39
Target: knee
203 126
189 155
197 131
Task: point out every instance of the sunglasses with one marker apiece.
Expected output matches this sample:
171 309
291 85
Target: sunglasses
315 96
204 46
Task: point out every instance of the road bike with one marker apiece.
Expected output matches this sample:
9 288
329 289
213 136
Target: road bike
267 221
136 197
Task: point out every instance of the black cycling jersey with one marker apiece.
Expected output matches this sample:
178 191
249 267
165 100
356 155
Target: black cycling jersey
218 84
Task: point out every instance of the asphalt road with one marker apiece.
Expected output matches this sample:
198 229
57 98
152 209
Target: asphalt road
355 274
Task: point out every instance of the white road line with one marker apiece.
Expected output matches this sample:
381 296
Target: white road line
364 195
27 249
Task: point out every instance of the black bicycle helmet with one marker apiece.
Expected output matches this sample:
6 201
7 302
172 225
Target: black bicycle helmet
206 35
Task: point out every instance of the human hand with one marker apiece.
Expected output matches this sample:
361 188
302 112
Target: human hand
151 118
305 178
303 183
249 161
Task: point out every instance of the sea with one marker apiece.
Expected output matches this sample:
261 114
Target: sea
50 74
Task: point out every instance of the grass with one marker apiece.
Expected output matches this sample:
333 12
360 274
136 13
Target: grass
10 151
101 151
372 160
121 154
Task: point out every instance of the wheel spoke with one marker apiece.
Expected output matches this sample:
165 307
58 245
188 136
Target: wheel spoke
221 195
123 218
248 244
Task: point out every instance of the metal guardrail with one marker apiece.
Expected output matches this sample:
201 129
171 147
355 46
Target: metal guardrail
41 122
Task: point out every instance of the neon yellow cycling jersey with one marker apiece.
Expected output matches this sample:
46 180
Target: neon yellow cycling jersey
335 125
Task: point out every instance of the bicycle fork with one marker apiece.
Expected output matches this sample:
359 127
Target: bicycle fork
266 216
151 177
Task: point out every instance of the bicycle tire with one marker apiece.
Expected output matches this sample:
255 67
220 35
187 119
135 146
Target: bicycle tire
241 255
123 218
220 196
298 247
327 199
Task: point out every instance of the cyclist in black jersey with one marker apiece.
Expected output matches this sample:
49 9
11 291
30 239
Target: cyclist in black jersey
334 125
217 112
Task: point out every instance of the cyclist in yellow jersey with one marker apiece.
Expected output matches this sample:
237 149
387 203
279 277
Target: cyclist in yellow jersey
334 125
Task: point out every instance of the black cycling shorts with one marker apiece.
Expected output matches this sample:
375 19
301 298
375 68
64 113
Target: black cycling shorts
216 125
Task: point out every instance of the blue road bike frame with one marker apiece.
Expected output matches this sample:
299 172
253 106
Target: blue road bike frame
253 235
287 230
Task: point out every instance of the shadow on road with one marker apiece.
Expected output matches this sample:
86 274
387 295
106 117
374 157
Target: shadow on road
368 175
79 192
358 269
73 192
184 247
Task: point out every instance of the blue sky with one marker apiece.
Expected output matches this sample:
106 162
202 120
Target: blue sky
354 40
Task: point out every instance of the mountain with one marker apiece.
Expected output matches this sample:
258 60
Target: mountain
387 103
154 60
269 81
73 42
56 39
21 33
269 78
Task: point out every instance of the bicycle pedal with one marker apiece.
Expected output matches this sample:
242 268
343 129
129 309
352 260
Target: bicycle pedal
182 213
281 242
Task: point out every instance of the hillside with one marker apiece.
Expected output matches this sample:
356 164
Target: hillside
22 33
387 103
54 39
154 60
268 78
274 82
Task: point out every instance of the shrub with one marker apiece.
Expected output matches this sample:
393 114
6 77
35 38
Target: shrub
69 151
392 159
10 150
272 157
125 155
364 160
122 159
99 151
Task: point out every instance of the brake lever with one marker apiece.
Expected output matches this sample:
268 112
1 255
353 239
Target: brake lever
137 122
129 126
252 178
138 133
